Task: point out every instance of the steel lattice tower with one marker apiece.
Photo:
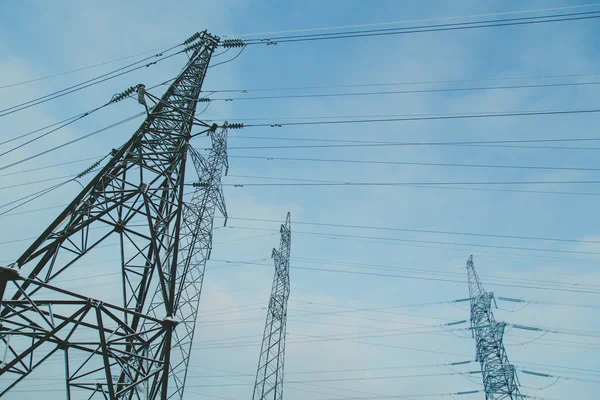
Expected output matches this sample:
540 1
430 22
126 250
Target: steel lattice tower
269 376
499 376
138 349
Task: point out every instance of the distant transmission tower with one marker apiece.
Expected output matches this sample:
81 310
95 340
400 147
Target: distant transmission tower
269 377
138 349
499 376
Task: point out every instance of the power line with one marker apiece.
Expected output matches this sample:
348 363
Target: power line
422 231
354 378
338 235
41 129
227 61
490 278
333 161
90 82
414 20
393 117
428 28
52 130
370 143
36 182
240 185
34 210
31 197
45 167
320 182
78 69
375 274
65 122
429 164
405 83
60 146
380 93
423 117
552 303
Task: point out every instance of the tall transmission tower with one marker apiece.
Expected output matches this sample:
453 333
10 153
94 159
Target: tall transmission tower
269 376
138 349
499 377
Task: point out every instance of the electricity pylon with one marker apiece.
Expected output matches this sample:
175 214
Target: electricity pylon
138 349
499 377
269 376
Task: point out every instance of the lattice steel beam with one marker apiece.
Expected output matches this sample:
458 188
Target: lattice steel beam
499 377
127 349
269 376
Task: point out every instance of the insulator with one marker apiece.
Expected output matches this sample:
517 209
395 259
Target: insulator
120 96
228 43
204 100
88 169
234 126
192 38
193 46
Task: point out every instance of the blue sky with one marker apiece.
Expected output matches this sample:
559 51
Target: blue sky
44 38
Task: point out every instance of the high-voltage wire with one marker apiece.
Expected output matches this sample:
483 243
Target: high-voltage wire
478 143
426 28
357 161
64 144
479 234
417 183
404 118
83 68
382 93
453 17
68 121
348 236
46 167
428 164
495 143
405 83
424 278
90 82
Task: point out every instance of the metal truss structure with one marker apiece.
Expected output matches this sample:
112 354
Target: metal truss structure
138 349
499 377
269 376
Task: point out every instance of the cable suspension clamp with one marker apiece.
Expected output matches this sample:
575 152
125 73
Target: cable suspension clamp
141 91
